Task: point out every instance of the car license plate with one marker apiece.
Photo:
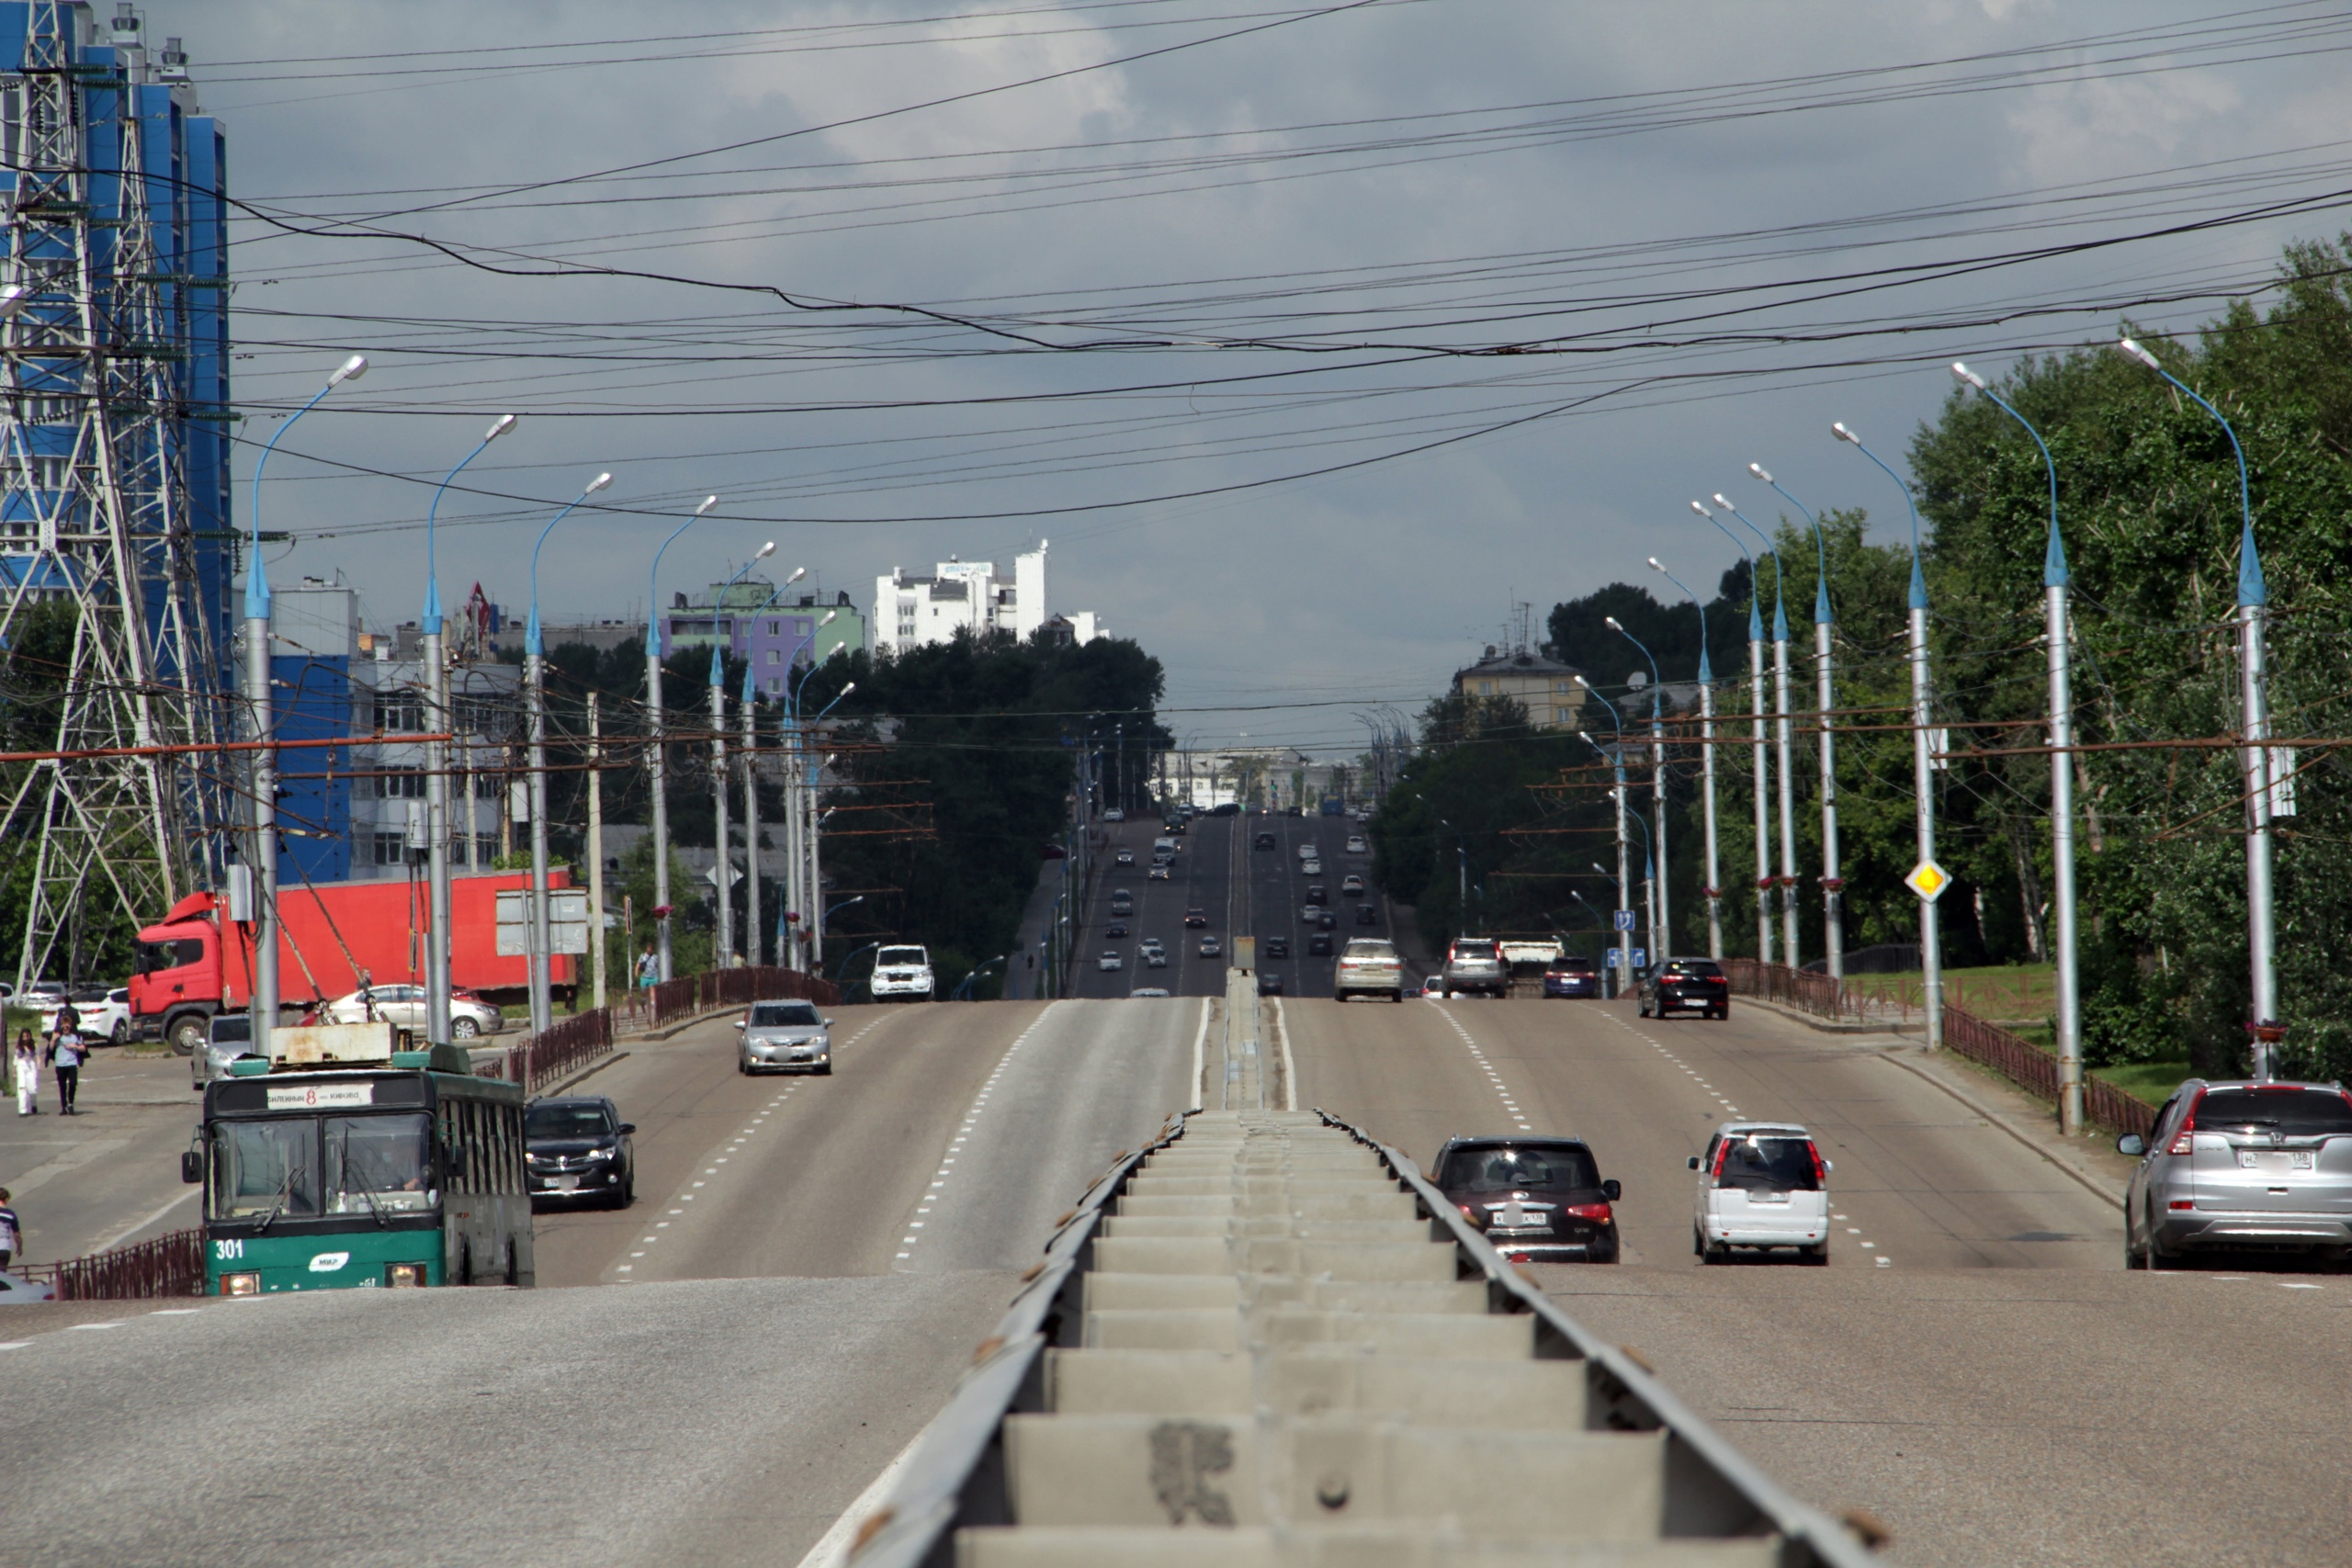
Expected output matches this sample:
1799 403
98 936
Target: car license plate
2274 1159
1768 1197
564 1183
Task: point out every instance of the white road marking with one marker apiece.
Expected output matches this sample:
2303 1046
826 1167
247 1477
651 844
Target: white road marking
175 1312
1493 1076
971 1118
76 1328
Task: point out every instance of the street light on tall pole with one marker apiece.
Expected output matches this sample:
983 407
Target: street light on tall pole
1755 732
536 694
2054 581
263 1003
2261 779
656 763
1931 961
436 761
1706 767
1788 877
1616 759
1833 885
722 865
1661 918
752 930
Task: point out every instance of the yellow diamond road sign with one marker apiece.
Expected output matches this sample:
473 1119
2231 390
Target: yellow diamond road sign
1928 880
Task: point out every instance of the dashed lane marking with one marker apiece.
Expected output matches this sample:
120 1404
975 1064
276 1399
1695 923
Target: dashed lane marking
1493 1078
971 1119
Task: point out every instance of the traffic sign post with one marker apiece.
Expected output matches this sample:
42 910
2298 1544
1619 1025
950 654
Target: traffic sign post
1928 880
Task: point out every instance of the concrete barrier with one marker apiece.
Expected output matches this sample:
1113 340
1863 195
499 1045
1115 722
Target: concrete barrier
1266 1340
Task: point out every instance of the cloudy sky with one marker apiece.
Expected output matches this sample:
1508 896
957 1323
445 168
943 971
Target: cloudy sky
1313 337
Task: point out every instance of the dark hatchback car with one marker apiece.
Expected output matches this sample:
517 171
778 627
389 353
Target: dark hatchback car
1366 915
1319 945
577 1146
1268 983
1263 841
1571 977
1197 919
1686 985
1536 1199
1275 947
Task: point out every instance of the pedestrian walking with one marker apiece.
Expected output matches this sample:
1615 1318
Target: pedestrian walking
649 969
65 1055
26 1062
11 1234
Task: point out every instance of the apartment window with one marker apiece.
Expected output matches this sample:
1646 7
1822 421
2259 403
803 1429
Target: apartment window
399 712
776 685
401 784
776 655
1485 688
391 849
773 628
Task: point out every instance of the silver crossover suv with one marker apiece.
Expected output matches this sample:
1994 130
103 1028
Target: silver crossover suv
784 1037
2242 1165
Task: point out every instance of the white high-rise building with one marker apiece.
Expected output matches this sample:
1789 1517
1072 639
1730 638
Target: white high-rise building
911 610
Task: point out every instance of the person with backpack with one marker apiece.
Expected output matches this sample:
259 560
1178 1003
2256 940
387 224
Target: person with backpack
65 1055
27 1063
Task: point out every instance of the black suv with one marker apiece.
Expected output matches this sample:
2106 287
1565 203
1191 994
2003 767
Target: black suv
1319 945
1685 985
1262 841
577 1146
1536 1199
1275 947
1196 919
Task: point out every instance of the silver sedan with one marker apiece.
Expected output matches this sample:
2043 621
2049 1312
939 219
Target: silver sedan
782 1037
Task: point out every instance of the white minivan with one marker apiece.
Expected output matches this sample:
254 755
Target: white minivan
1761 1184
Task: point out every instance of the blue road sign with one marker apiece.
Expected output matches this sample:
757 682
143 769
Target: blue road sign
1625 919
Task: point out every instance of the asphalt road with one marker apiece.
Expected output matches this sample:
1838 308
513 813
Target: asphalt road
1241 890
1974 1368
111 1174
750 1344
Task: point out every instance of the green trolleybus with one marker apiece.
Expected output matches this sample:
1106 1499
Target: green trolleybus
326 1176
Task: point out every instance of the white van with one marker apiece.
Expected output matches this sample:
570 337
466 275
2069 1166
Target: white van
902 975
1761 1184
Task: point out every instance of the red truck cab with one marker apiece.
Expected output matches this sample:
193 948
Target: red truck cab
178 980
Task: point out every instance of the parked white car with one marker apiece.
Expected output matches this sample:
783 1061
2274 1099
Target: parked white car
108 1019
902 975
1761 1184
408 1007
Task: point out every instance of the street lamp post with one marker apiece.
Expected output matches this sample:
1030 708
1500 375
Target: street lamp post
2062 780
815 821
723 866
1706 767
536 694
2253 601
262 1005
1788 877
1755 732
752 935
656 765
1616 759
1833 886
1931 962
437 763
1661 919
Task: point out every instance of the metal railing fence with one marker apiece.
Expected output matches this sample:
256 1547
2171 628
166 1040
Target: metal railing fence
2013 1056
170 1265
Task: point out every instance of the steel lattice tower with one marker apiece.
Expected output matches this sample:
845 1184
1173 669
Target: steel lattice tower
96 401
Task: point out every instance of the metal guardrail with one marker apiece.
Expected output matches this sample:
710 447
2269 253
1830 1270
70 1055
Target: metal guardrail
170 1265
954 1475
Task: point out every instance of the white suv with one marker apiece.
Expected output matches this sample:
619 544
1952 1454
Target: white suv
1761 1184
902 975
